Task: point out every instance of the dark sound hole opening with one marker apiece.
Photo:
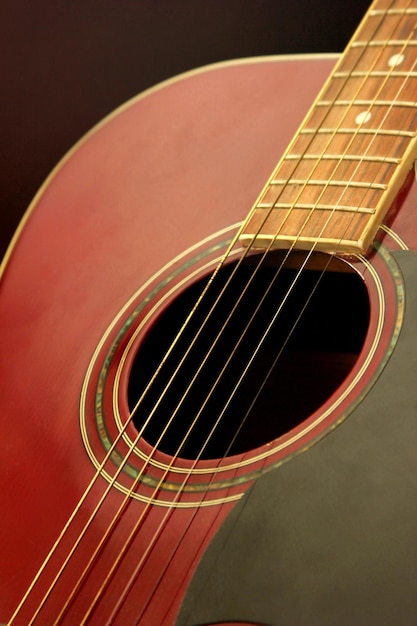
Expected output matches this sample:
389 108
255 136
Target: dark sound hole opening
236 411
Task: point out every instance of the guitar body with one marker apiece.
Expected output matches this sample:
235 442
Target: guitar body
317 526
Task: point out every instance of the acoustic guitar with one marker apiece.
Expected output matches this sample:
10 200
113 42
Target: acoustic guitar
208 411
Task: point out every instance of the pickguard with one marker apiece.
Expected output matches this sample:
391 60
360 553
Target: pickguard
328 538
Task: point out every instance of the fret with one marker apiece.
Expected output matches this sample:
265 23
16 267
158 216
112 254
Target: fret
316 206
384 43
344 157
367 103
343 143
376 74
330 183
328 166
371 143
357 131
391 89
321 192
383 12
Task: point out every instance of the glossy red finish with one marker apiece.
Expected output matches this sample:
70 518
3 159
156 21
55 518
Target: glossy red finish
160 175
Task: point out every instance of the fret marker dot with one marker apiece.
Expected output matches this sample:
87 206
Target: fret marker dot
395 60
363 117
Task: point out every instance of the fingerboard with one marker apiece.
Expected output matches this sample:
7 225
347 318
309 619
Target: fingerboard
335 183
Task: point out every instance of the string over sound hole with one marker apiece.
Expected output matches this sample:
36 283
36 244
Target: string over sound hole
269 354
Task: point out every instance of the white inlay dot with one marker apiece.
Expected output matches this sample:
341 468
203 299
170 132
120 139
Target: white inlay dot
395 60
363 117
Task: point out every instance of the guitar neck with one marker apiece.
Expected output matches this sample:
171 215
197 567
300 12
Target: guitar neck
335 183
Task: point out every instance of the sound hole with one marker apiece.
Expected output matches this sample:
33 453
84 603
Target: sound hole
240 390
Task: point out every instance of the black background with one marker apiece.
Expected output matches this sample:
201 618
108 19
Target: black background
65 64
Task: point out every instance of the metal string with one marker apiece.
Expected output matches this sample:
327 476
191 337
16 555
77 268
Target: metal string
270 370
132 412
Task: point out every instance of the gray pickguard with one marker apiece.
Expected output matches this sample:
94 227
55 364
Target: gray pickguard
329 538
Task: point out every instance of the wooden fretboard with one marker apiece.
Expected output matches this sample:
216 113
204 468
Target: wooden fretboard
347 162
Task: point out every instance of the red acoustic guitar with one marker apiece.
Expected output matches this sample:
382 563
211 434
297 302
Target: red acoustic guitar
208 418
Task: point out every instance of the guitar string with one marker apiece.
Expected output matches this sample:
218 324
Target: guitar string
123 430
195 599
101 467
142 611
254 400
291 331
165 567
93 480
156 446
233 309
131 448
114 445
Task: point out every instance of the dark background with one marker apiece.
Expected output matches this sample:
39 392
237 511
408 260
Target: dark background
65 64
